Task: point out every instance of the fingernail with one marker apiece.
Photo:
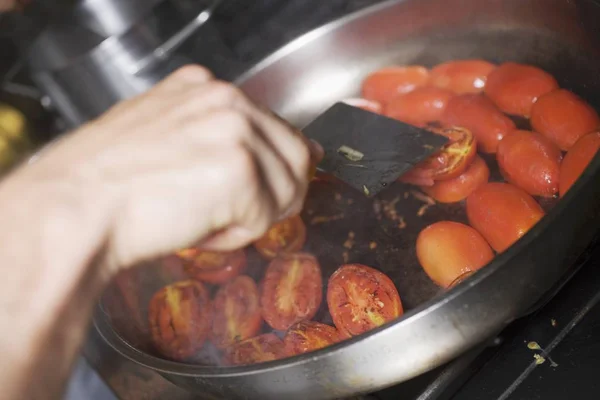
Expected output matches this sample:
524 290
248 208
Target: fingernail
316 149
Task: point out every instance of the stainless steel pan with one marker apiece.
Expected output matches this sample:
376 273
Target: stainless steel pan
303 78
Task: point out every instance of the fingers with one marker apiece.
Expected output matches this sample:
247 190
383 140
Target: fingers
185 77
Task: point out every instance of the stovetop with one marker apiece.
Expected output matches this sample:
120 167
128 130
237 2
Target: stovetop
549 354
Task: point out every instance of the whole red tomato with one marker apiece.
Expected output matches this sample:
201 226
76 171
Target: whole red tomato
454 158
292 290
516 87
307 336
420 107
457 189
530 161
447 250
461 76
180 316
577 160
237 314
502 213
387 83
361 298
287 236
478 114
210 266
258 349
563 117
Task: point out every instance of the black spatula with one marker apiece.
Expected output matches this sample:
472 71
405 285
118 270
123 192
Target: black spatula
367 150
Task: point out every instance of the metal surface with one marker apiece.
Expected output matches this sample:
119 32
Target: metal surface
110 50
325 66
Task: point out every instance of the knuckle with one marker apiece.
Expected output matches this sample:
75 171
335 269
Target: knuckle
233 125
301 159
225 93
192 72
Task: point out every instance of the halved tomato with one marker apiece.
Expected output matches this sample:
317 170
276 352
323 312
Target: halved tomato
447 250
478 114
577 160
180 316
461 76
367 105
454 158
530 161
459 188
563 117
287 236
420 107
514 88
237 313
307 336
210 266
387 83
291 290
502 213
266 347
361 298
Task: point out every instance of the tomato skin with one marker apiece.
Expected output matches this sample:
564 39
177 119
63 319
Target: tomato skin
307 336
420 107
287 236
514 88
179 317
266 347
237 314
502 213
291 290
459 188
447 250
361 298
367 105
385 84
454 158
577 159
563 117
210 266
461 76
530 161
478 114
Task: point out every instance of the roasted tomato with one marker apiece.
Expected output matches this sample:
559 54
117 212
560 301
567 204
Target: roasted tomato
307 336
180 316
563 117
530 161
448 163
420 107
516 87
212 267
292 290
387 83
577 160
237 313
502 213
461 76
361 298
457 189
287 236
367 105
258 349
478 114
447 250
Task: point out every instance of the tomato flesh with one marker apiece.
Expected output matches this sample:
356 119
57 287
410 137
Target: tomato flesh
361 298
385 84
563 117
514 88
577 159
263 348
180 316
461 76
530 161
454 158
287 236
420 107
502 213
292 290
459 188
210 266
237 314
307 336
479 115
447 250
